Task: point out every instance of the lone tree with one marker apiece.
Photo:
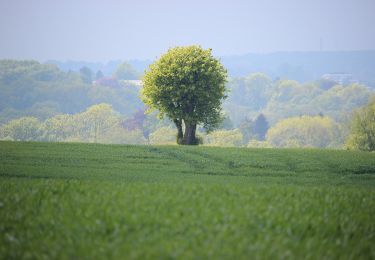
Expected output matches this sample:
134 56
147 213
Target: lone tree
187 84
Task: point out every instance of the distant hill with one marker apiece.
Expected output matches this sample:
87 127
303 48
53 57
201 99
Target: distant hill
305 66
301 66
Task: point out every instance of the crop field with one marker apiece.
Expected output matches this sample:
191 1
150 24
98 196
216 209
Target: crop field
91 201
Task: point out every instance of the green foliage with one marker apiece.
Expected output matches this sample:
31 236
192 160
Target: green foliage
187 84
91 125
226 124
340 100
22 129
260 127
246 128
98 124
256 129
362 134
60 128
24 84
293 99
29 88
252 91
287 98
304 131
153 123
225 138
124 99
247 96
96 121
32 89
286 90
80 201
86 75
125 71
163 136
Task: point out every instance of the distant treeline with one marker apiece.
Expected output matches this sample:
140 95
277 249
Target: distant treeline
101 124
259 110
29 88
279 99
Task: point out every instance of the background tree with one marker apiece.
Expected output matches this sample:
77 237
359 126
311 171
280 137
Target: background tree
135 122
228 138
252 91
125 71
305 131
153 123
86 75
187 84
362 135
163 136
260 127
99 123
99 74
59 128
22 129
96 121
246 128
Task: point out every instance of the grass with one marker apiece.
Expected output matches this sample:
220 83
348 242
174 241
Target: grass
85 201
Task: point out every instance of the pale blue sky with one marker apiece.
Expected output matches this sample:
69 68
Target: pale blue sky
140 29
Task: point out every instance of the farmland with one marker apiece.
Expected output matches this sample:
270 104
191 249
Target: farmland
61 200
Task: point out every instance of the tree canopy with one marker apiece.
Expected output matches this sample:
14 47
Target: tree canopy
187 84
305 131
362 135
125 71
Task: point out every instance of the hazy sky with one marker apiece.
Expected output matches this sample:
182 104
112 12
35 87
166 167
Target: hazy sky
140 29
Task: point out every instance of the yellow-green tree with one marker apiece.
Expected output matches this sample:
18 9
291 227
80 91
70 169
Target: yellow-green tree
22 129
362 130
305 131
96 121
228 138
59 128
187 84
163 136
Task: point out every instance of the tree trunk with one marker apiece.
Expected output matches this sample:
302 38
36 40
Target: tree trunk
189 137
180 134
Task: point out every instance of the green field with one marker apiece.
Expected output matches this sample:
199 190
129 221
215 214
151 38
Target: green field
90 201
